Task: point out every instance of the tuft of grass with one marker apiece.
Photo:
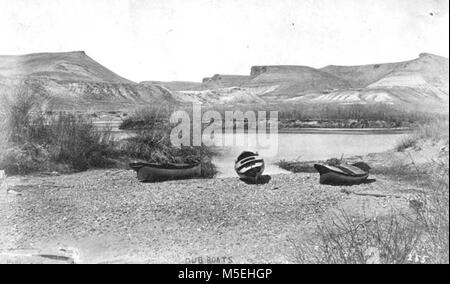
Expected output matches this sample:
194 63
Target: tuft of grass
24 159
434 130
18 109
66 141
406 143
406 172
433 212
36 140
419 235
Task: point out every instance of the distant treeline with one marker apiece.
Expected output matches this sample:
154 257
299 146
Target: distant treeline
298 115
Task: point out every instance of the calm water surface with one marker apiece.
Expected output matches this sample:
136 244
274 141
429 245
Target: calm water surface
307 147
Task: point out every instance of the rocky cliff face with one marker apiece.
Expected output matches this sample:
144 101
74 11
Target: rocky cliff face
292 81
224 81
286 69
421 82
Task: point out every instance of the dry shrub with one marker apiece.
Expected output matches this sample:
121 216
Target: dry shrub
155 146
434 130
349 239
420 235
433 213
34 141
151 142
148 118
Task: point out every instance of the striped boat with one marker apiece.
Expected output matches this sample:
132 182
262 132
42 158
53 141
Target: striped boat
249 166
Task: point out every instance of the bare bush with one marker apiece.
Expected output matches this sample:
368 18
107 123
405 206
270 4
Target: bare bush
434 130
152 140
433 213
419 235
35 141
349 239
155 146
148 118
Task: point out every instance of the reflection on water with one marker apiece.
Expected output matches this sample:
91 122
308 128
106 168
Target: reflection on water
307 147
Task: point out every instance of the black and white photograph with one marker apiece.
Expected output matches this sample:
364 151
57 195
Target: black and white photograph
225 132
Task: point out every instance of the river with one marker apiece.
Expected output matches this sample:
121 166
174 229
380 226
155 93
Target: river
300 144
320 145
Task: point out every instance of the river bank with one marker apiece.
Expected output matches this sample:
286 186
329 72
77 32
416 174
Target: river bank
108 216
407 152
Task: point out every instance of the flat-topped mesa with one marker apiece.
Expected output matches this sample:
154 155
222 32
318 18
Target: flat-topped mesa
47 54
73 79
258 70
63 66
224 81
426 54
218 77
67 80
213 78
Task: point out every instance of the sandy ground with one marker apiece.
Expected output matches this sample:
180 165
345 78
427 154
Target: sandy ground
108 216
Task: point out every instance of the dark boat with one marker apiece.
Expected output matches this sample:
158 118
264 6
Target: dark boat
343 173
249 166
169 171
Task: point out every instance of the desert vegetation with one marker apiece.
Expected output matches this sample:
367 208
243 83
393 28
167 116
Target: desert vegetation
35 140
148 117
155 146
349 239
436 129
300 115
418 235
327 115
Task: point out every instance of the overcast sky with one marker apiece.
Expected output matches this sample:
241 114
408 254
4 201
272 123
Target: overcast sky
192 39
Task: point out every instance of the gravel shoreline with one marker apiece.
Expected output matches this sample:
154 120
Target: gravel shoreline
108 216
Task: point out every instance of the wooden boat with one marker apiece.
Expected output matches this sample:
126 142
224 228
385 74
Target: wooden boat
159 172
343 173
249 166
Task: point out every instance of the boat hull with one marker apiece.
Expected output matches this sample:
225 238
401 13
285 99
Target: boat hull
147 172
252 173
341 175
249 166
335 178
